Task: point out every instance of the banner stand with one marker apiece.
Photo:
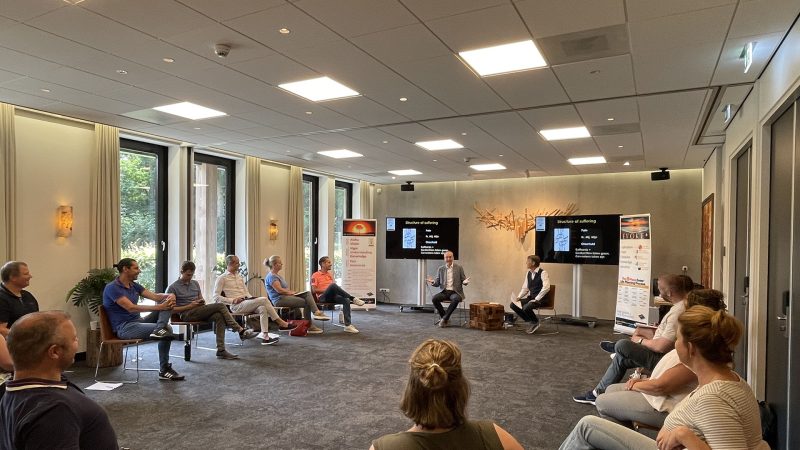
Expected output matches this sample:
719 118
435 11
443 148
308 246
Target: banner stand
634 281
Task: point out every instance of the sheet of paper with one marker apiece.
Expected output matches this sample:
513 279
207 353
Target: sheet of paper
100 386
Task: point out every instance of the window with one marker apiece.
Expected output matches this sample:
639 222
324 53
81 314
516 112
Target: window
143 215
213 187
343 210
310 223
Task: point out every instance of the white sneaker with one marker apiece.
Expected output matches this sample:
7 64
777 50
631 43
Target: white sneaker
358 302
350 329
313 329
319 315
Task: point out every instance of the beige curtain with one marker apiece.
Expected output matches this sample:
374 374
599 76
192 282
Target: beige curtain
8 179
105 241
365 200
294 259
254 232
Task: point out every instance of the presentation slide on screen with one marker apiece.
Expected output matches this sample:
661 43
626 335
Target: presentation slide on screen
420 238
578 239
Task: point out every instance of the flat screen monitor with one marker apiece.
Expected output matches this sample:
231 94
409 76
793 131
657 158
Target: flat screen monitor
578 239
421 237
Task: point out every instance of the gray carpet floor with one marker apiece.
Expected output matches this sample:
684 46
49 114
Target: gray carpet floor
341 391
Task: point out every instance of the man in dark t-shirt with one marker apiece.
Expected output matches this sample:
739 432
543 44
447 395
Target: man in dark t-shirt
15 301
41 409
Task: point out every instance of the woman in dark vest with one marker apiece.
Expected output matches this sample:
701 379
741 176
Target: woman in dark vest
534 289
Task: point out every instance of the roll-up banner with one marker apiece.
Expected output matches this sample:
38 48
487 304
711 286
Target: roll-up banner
359 241
634 282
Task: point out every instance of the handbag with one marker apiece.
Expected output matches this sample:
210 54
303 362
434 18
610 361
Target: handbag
301 329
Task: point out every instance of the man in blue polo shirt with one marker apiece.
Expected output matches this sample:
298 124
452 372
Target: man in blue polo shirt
121 302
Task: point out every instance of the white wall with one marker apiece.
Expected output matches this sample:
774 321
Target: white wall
53 161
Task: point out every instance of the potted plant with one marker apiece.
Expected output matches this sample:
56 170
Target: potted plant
89 291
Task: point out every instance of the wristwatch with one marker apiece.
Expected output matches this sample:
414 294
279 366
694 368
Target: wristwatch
641 340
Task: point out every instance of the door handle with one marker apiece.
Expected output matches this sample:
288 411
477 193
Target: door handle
781 317
163 246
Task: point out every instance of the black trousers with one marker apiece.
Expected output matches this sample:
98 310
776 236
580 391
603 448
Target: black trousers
526 312
444 296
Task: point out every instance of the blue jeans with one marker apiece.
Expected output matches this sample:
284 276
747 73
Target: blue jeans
141 329
335 294
628 355
593 432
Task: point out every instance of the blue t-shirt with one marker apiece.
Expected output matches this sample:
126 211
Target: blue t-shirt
274 296
118 315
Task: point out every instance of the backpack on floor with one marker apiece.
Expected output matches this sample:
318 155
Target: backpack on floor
302 327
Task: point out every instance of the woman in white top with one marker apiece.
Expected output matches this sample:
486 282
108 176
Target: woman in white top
722 413
650 400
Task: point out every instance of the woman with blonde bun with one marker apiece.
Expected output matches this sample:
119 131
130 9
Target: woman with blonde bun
436 400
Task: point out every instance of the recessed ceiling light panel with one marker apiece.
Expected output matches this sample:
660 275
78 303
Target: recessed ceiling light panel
587 160
405 172
558 134
339 154
190 111
504 58
319 89
444 144
484 167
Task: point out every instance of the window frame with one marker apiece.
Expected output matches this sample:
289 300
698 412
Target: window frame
314 256
230 198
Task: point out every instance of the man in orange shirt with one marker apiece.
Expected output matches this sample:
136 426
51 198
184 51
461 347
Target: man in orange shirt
328 291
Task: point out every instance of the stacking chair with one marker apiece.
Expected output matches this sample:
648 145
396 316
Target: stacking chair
462 310
326 307
549 321
108 337
192 331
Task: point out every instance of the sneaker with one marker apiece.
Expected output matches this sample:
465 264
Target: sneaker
269 341
224 354
533 327
319 315
170 374
350 329
313 329
607 346
358 302
247 334
288 327
443 323
588 398
162 333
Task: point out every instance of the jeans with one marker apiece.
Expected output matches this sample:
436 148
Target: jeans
629 355
593 432
445 295
141 329
216 312
335 294
260 305
306 302
625 406
526 312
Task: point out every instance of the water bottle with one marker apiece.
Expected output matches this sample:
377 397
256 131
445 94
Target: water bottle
187 351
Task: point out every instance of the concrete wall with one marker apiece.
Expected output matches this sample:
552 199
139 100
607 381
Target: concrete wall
495 260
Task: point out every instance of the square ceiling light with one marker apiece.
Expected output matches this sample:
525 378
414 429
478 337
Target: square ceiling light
444 144
587 160
340 154
405 172
190 111
319 89
485 167
559 134
505 58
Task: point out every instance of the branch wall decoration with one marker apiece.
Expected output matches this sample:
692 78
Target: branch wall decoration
520 224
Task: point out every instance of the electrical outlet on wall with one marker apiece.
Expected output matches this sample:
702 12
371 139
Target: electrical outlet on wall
384 290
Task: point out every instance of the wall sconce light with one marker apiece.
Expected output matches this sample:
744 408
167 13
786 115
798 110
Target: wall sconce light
273 229
64 221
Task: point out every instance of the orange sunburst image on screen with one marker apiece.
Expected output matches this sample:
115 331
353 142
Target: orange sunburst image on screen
359 228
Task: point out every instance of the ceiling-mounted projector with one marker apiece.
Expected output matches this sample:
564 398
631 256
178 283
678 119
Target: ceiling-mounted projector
408 187
659 176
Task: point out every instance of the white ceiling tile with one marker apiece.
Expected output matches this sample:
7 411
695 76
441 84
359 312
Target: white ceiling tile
67 76
555 117
427 10
174 18
667 123
529 88
279 121
681 30
201 41
262 132
631 145
730 68
482 28
576 148
401 44
612 77
622 110
366 111
137 96
641 10
21 10
356 17
697 156
9 76
230 123
553 17
24 64
229 10
275 69
46 46
674 69
23 99
758 17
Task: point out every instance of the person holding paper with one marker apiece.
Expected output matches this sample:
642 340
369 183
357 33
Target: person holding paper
646 347
327 290
534 288
451 278
281 295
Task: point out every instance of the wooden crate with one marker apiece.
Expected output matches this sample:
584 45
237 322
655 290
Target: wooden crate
486 316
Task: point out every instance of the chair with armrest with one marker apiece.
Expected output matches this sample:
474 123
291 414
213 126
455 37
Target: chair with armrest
108 337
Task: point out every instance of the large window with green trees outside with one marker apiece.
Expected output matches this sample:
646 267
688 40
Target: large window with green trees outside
143 200
310 224
343 209
212 219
